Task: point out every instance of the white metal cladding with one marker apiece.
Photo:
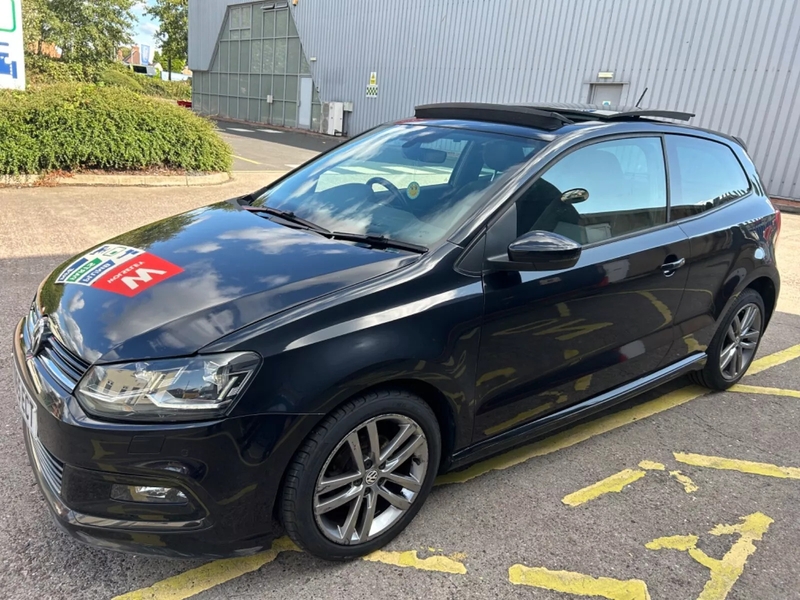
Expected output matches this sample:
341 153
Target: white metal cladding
736 63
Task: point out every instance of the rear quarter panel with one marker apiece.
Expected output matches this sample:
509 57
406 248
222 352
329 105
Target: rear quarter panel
731 247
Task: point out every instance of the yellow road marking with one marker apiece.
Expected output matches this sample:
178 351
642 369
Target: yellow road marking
217 572
578 583
754 389
576 435
442 564
743 466
727 570
570 354
773 360
247 160
563 309
686 481
614 483
649 465
210 575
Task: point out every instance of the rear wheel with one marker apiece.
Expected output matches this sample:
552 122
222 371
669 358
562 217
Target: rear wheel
735 344
362 475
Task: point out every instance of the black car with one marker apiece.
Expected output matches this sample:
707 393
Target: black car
428 294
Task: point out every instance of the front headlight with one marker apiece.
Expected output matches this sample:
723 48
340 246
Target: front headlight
179 389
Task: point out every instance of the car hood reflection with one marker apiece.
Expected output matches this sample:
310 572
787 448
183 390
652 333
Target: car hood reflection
232 269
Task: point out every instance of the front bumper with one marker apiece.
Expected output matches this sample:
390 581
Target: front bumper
230 471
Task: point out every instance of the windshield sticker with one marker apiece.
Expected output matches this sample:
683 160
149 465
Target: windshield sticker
412 191
118 269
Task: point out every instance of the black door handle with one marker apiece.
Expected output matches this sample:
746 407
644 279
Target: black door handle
669 268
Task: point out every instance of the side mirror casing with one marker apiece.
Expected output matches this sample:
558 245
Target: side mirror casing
543 251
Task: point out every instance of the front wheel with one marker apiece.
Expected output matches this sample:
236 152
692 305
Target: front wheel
362 475
735 344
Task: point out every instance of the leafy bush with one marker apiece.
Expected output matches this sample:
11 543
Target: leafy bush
43 70
77 126
121 79
121 76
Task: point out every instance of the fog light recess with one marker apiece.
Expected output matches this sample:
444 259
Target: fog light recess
148 494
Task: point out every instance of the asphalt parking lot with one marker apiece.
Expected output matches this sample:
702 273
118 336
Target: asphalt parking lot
679 494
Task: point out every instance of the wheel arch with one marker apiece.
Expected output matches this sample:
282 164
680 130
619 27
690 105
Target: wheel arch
768 292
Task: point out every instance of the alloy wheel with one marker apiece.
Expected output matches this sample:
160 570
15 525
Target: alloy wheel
741 342
371 479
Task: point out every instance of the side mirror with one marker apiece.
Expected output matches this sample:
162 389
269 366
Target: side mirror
575 196
543 251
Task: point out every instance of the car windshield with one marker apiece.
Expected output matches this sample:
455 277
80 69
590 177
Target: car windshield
409 182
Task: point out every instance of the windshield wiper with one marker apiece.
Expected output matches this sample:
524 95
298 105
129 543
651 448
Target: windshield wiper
287 216
379 241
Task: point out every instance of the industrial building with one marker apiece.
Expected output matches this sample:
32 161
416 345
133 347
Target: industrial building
344 66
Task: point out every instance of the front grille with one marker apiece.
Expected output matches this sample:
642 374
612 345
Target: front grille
49 466
60 363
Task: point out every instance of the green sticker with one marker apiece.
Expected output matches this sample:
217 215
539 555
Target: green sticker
412 191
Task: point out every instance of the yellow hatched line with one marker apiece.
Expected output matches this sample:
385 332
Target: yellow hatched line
614 483
743 466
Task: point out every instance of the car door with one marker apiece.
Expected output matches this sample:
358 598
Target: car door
706 176
554 338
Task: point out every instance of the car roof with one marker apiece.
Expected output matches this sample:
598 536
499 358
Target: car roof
553 119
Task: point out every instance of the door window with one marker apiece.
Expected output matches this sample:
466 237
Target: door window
704 174
599 192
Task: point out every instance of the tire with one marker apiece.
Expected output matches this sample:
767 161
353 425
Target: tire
327 496
719 374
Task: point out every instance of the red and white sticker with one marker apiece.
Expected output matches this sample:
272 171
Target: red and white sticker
118 269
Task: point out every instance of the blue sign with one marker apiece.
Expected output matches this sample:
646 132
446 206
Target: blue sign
7 66
145 55
12 55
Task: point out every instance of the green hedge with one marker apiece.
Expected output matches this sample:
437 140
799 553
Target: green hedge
121 76
75 127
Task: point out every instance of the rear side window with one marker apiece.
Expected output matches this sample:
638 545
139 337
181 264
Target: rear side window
703 174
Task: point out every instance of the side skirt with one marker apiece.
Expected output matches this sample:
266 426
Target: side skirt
570 414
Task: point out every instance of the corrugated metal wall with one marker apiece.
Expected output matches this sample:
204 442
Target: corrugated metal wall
736 63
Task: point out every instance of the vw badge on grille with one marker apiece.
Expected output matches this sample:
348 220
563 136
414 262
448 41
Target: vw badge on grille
40 332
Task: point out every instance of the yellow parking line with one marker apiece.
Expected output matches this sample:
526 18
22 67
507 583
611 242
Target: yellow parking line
688 485
755 389
210 575
442 564
614 483
578 583
247 160
773 360
217 572
649 465
743 466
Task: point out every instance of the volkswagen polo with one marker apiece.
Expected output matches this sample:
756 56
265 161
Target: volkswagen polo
428 294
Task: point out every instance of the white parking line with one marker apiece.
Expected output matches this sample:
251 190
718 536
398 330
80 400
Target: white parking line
292 166
242 130
269 131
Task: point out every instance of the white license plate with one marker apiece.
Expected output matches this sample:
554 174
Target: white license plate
27 406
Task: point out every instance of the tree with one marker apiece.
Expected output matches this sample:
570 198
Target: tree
85 31
173 29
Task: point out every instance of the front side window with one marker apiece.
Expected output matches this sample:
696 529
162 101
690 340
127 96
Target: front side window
411 183
599 192
703 174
